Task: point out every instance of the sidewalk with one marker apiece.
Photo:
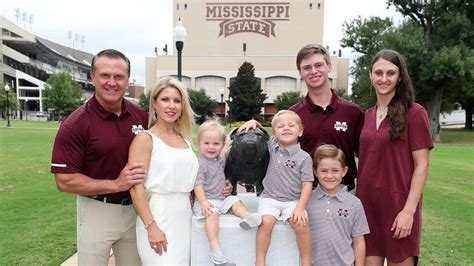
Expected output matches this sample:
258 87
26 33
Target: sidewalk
72 261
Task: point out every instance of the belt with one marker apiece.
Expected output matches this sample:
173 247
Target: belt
126 201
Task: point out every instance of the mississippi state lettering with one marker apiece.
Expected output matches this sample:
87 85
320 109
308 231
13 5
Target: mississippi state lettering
247 17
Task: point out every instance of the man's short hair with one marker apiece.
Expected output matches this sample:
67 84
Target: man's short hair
309 50
110 53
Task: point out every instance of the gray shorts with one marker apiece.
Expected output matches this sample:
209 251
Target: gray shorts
220 206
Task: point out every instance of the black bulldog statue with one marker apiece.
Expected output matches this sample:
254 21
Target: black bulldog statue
248 159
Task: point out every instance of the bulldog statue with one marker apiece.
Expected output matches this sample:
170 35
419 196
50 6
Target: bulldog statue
248 159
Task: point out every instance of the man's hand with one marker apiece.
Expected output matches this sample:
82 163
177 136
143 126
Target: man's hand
130 175
251 124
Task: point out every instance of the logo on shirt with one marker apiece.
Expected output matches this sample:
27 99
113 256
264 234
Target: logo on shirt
340 126
290 163
343 212
137 129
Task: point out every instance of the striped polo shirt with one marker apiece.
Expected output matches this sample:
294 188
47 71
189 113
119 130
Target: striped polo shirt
287 169
334 221
211 176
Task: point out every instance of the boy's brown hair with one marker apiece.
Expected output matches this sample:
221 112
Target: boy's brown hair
328 151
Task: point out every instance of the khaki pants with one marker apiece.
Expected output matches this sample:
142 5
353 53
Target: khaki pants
104 226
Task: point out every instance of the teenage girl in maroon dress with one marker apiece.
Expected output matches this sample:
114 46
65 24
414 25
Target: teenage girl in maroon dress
393 164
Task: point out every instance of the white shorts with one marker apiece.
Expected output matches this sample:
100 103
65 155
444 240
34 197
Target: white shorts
281 210
220 206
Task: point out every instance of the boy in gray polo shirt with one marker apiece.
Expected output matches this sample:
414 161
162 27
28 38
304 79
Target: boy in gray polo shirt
287 186
337 218
210 182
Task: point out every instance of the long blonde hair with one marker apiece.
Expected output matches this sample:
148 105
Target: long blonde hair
184 124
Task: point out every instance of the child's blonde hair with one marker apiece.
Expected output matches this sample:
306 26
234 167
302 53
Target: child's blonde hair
328 151
294 115
212 125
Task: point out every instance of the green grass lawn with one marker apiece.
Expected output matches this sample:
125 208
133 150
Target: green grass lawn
38 223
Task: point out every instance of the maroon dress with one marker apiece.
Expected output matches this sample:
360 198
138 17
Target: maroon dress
385 173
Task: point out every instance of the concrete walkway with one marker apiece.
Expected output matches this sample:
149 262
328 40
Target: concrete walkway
72 261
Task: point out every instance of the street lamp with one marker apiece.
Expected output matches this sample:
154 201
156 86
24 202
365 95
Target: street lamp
221 90
26 109
7 89
179 35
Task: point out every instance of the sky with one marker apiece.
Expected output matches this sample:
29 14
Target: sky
137 27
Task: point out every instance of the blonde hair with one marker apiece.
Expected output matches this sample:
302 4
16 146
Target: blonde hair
328 151
184 124
294 115
212 125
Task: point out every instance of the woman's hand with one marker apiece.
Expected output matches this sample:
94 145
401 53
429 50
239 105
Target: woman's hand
157 239
402 224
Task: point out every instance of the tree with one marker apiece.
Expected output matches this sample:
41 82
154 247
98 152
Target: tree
247 97
12 101
144 101
62 93
436 42
287 99
366 37
448 34
202 104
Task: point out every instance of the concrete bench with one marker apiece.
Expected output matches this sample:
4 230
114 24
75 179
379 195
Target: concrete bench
239 245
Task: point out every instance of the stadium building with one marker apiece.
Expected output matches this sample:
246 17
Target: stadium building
222 35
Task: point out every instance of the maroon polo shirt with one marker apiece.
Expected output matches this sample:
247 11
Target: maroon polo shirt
340 124
95 142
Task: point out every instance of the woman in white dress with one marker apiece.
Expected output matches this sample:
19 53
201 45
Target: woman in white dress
162 202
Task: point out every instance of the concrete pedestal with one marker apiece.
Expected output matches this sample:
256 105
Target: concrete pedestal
239 245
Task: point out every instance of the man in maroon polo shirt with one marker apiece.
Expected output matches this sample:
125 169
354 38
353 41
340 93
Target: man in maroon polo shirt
90 157
327 118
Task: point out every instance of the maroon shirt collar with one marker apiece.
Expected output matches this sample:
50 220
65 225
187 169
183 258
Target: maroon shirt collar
313 107
102 113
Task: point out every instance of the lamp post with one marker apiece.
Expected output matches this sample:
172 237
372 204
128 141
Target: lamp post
179 35
26 109
221 90
7 89
228 116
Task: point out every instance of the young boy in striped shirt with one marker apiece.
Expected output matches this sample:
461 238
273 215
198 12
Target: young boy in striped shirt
337 218
287 186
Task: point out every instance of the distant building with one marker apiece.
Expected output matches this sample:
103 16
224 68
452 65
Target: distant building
221 35
27 61
135 91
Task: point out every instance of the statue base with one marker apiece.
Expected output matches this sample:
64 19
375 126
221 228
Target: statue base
239 245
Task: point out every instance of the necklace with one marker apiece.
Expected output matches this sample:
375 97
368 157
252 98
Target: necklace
381 113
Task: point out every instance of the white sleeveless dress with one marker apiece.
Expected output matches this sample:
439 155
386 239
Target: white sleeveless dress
171 177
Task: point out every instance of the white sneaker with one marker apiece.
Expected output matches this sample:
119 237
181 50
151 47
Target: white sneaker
250 221
217 256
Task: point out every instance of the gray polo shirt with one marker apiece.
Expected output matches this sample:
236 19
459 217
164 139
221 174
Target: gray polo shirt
287 169
334 221
211 176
